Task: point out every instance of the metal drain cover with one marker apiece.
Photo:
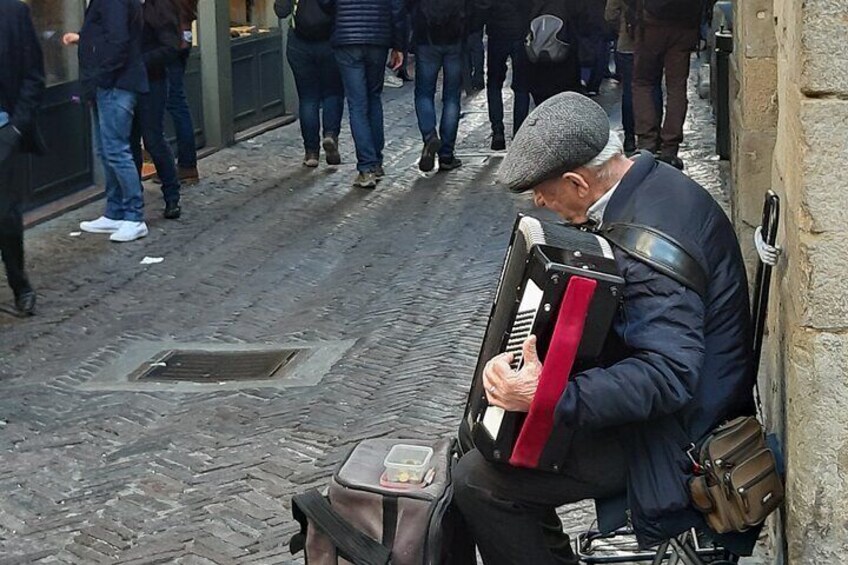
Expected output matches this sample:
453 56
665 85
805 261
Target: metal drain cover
200 366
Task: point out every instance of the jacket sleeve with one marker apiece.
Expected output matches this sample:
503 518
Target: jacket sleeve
32 85
662 327
399 28
283 8
168 35
116 23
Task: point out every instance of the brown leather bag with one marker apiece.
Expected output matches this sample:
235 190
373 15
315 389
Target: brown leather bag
739 484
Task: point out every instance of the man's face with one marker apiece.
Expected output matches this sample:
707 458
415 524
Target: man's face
567 195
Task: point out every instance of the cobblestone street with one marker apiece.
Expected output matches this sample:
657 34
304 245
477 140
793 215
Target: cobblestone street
267 252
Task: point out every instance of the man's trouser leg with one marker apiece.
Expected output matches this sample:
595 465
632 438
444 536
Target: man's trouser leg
351 60
12 229
498 55
505 507
647 72
677 58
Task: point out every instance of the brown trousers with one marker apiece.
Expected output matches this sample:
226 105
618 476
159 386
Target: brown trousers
661 47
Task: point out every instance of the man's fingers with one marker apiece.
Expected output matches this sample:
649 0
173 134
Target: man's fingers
530 353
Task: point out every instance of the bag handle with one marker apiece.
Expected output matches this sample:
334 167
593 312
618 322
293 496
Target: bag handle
354 545
660 252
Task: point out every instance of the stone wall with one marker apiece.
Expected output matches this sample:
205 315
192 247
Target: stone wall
806 368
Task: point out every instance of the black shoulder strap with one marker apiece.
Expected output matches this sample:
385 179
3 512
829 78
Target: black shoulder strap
659 251
352 544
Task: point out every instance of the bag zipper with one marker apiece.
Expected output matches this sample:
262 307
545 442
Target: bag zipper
742 489
738 449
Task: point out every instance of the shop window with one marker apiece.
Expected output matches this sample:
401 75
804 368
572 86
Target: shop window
252 17
52 18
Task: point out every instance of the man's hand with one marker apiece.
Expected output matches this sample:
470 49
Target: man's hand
513 391
70 39
395 60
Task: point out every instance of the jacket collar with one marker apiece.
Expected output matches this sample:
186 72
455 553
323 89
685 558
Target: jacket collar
643 164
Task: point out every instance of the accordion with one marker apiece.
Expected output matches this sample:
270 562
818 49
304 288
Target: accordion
562 285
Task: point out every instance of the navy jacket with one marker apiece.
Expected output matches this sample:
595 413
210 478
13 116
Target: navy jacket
506 20
110 47
368 22
682 364
21 71
161 37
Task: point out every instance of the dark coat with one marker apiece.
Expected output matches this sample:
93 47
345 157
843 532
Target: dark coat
548 79
21 72
683 363
110 47
161 38
423 34
506 20
368 22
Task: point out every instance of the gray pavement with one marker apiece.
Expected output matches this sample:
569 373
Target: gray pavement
267 252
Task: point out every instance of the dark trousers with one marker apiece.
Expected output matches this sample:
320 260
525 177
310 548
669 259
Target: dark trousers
177 106
499 52
662 49
429 60
508 510
12 228
362 68
473 58
597 53
149 124
319 87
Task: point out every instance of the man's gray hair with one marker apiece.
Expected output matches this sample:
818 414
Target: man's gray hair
613 148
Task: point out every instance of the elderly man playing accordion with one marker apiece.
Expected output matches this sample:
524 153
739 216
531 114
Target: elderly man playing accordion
676 364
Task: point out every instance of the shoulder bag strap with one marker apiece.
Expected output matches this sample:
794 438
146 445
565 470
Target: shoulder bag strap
353 545
660 252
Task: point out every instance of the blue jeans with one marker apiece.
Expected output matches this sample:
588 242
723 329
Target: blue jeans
113 117
428 60
319 86
149 124
473 60
362 69
177 106
499 51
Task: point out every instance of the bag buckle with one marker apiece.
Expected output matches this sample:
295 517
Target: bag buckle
697 468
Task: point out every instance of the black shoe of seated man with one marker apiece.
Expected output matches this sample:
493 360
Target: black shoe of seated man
25 303
498 141
449 164
172 211
672 160
428 153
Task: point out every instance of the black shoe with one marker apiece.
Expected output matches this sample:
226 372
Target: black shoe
428 154
498 141
172 211
672 160
449 164
25 303
629 145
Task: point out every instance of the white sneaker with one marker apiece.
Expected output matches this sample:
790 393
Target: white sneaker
129 231
101 225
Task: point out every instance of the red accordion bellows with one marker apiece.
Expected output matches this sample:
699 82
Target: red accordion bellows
555 372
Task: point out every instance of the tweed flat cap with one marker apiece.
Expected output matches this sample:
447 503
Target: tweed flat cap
564 132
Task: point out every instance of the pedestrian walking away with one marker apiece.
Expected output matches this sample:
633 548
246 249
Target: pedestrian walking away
552 48
161 42
112 77
364 32
506 28
439 30
316 77
474 56
21 90
666 34
177 104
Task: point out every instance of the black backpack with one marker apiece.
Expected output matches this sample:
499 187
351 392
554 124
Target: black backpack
444 20
310 21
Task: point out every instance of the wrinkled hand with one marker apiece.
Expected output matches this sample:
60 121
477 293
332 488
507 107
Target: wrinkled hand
395 60
70 39
513 390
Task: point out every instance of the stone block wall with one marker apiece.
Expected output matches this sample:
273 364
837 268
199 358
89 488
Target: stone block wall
806 368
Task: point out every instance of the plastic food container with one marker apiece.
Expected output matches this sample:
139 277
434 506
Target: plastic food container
407 463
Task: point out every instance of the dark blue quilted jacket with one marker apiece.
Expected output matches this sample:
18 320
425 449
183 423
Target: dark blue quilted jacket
368 22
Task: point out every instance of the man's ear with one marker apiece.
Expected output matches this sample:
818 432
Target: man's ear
579 182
